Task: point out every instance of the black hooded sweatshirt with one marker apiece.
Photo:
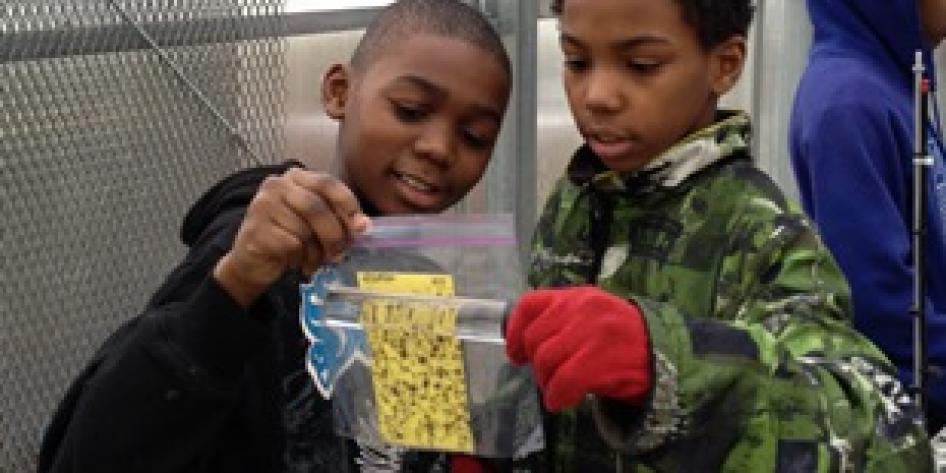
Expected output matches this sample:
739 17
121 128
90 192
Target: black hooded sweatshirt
197 383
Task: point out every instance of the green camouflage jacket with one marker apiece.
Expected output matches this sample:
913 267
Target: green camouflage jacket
756 366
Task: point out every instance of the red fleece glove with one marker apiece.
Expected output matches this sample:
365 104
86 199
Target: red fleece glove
468 464
578 341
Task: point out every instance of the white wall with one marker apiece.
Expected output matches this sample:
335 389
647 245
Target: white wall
783 36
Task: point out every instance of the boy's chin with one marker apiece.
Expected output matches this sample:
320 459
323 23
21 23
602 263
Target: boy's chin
620 157
624 164
405 196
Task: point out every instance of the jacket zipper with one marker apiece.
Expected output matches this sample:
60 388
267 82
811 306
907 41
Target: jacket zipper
601 217
601 207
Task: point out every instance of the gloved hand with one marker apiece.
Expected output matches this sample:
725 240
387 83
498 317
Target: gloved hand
467 464
581 340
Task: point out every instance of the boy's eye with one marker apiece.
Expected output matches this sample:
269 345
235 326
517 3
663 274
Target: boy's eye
644 67
408 112
576 64
476 140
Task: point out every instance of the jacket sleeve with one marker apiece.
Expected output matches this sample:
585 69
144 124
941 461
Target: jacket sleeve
852 178
162 387
775 379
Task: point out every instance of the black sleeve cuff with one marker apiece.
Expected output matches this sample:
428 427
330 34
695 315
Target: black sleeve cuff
217 334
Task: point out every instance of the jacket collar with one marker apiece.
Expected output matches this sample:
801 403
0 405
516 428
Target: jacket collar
727 137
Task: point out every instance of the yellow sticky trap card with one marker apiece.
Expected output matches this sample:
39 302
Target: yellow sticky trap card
417 363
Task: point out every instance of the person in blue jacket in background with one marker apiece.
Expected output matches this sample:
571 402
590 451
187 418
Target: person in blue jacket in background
852 144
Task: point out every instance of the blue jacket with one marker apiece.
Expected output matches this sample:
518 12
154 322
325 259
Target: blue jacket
851 141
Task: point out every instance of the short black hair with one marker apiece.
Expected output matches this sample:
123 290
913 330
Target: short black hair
447 18
715 21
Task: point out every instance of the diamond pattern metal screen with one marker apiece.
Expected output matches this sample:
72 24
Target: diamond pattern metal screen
114 116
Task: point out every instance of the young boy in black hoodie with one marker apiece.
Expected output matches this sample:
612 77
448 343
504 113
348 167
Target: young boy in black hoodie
210 377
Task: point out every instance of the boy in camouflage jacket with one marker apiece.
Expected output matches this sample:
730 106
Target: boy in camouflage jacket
691 319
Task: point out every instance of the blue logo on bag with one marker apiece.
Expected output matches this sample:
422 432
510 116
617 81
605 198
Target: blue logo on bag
332 349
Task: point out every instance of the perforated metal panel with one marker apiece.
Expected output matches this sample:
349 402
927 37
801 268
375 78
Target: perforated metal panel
104 143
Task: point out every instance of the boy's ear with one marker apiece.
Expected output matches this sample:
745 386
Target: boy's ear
336 85
728 59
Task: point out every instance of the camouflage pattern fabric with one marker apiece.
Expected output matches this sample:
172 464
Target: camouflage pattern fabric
756 365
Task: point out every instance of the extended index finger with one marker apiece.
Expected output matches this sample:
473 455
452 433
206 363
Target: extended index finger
339 197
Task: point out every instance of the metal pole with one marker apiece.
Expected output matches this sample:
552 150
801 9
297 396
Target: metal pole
921 163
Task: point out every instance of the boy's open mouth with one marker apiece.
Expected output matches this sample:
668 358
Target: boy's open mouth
416 183
418 192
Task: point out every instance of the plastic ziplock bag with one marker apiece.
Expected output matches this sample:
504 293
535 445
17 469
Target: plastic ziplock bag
406 338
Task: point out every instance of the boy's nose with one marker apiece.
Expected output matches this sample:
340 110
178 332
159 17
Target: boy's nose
435 143
602 94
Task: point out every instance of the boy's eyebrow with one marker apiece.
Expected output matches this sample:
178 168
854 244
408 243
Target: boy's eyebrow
423 84
435 90
626 43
